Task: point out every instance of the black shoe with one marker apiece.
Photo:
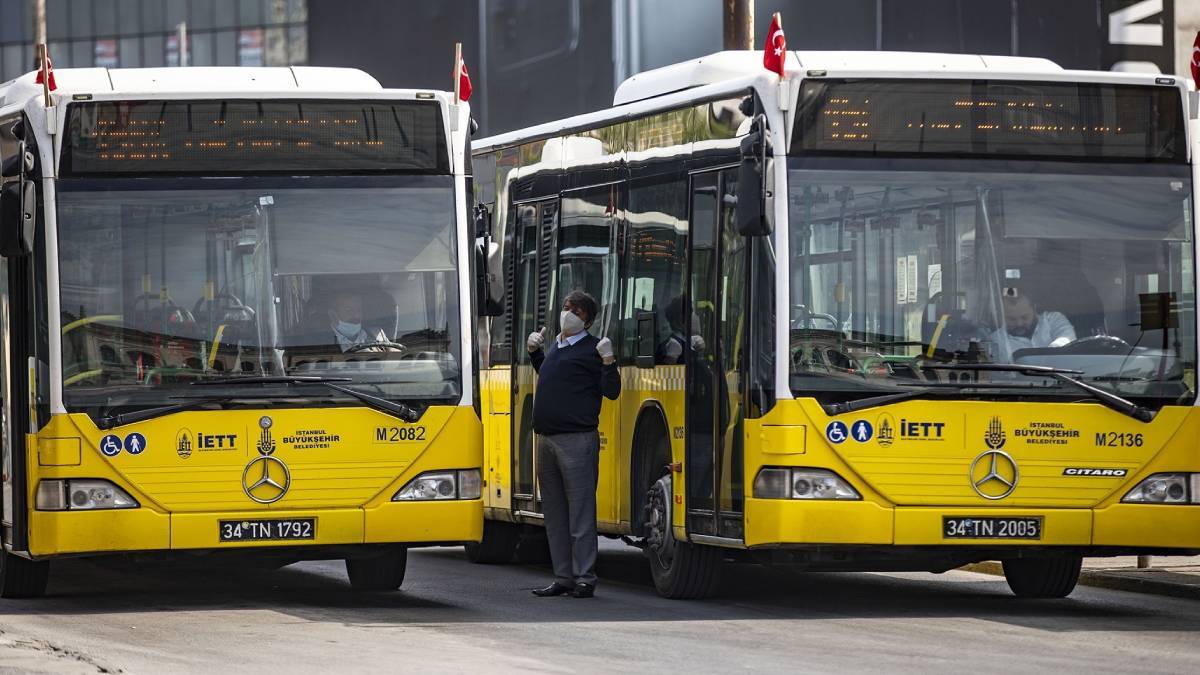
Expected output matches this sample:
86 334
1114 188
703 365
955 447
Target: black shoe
584 590
552 590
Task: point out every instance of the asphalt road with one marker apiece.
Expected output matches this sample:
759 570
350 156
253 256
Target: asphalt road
452 616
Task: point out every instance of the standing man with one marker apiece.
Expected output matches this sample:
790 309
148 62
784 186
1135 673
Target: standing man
572 376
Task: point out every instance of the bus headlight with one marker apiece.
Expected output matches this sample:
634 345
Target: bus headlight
440 485
776 482
82 494
1166 488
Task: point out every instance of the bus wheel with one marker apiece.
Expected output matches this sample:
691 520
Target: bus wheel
378 571
1043 577
499 542
681 570
21 577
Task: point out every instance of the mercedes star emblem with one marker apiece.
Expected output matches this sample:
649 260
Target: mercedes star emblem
266 479
994 474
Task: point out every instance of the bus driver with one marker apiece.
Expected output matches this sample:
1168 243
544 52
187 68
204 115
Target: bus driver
1025 326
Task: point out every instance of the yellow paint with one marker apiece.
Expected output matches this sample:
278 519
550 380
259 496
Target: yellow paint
345 465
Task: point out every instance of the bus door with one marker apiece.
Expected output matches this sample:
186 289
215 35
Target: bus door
716 289
536 225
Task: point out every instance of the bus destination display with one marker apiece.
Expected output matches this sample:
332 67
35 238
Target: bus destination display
238 137
1017 119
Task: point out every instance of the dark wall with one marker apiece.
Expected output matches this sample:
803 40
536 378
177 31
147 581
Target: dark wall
543 60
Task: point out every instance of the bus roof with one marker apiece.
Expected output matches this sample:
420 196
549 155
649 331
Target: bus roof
200 80
677 83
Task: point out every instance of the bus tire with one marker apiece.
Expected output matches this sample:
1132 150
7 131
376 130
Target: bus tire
22 577
1042 577
380 571
681 570
499 542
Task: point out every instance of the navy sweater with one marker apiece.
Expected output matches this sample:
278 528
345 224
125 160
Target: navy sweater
570 383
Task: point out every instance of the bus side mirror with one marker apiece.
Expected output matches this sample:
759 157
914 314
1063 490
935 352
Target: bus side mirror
751 212
489 291
18 201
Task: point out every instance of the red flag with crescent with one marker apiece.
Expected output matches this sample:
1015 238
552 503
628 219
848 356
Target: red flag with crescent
775 49
1196 60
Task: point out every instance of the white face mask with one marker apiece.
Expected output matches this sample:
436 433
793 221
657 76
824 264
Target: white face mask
348 329
570 323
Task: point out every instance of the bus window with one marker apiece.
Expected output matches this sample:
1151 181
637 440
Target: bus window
656 267
586 256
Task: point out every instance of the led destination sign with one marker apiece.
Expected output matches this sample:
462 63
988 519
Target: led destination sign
1016 119
237 137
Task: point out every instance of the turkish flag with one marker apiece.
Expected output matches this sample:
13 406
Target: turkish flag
1196 60
464 82
775 49
49 73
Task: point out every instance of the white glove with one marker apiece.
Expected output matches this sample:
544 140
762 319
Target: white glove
536 340
672 350
697 343
605 349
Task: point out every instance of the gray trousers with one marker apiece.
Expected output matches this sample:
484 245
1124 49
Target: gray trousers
568 467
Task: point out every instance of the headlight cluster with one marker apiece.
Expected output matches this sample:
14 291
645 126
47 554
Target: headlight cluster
1166 488
82 494
777 482
439 485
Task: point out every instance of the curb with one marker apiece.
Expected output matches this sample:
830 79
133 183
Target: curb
1117 581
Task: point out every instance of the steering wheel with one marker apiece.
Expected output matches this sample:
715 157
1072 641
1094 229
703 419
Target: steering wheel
374 345
1096 344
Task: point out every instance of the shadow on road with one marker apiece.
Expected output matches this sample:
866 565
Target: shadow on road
443 588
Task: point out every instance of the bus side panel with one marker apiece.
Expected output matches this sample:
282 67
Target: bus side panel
497 435
646 391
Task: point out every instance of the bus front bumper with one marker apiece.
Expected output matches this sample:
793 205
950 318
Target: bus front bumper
55 533
782 523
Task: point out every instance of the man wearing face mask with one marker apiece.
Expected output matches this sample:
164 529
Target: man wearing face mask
573 374
345 319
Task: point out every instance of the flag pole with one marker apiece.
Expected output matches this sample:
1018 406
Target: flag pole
42 54
779 19
457 72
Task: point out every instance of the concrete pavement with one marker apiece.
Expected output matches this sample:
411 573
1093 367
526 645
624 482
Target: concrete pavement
452 617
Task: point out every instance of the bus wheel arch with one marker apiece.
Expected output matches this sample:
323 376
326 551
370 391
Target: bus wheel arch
22 577
651 453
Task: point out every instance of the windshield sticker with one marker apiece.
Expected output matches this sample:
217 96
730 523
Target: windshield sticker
135 443
1046 433
110 445
311 439
836 432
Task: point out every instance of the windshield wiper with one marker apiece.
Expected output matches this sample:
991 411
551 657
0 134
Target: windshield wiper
110 421
1117 403
382 405
833 409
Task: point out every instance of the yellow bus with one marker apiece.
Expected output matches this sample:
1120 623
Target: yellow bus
236 316
889 312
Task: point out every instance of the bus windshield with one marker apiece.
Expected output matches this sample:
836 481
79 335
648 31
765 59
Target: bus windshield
170 281
897 274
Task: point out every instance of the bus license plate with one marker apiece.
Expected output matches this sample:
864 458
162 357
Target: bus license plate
268 530
992 528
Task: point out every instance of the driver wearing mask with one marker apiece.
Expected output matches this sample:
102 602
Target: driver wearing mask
346 321
1027 327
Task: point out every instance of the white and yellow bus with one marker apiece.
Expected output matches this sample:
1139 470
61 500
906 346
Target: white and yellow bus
889 312
236 318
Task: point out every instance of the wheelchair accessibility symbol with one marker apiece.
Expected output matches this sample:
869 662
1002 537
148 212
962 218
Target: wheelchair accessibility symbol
110 445
837 432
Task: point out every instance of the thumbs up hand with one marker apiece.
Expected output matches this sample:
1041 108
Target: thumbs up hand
605 349
536 340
